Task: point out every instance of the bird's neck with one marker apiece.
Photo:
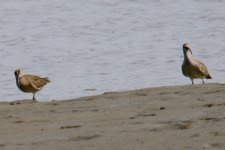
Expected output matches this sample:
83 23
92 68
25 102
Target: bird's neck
188 57
17 80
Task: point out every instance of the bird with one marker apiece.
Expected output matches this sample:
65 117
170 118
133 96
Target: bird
29 83
193 68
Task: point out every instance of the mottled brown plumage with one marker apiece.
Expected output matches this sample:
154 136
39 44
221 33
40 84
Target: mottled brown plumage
193 68
30 83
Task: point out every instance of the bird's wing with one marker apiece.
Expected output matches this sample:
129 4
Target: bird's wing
36 81
201 67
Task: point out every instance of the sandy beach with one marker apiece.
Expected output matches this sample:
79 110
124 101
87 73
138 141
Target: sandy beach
164 118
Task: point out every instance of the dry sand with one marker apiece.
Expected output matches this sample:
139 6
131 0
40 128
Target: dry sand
165 118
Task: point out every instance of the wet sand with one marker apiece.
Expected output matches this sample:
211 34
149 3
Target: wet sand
165 118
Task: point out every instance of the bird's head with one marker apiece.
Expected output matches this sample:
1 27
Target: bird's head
186 48
17 73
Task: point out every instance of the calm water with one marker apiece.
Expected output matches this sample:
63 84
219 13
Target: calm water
87 47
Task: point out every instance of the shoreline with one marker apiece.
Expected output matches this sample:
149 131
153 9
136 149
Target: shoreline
169 117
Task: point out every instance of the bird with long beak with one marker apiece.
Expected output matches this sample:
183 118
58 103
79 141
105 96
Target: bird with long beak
193 68
30 83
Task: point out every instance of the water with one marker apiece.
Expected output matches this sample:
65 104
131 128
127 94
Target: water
88 47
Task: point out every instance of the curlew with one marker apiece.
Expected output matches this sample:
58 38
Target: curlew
30 83
193 68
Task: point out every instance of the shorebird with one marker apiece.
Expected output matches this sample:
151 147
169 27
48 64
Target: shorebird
30 83
193 68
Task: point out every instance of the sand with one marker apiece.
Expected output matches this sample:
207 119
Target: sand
165 118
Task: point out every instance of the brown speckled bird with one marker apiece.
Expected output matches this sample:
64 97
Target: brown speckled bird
193 68
30 83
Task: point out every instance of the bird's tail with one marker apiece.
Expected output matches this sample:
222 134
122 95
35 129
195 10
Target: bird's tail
46 79
208 77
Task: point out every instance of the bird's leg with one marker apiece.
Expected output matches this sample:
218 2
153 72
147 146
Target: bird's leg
34 97
203 81
192 81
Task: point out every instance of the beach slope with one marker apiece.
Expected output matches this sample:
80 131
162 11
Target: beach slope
164 118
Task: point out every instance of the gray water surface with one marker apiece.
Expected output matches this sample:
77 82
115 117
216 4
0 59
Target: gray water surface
87 47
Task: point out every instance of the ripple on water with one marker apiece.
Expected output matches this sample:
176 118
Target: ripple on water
107 45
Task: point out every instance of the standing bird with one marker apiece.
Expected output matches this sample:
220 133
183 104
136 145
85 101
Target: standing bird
30 83
193 68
